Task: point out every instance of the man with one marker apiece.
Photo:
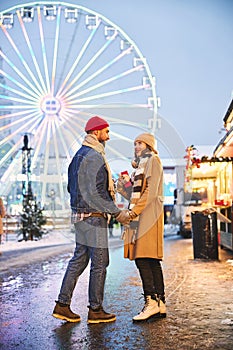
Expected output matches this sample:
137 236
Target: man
92 198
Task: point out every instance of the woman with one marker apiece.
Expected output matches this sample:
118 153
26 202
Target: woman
144 237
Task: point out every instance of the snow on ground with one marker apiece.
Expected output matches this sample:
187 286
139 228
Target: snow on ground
54 237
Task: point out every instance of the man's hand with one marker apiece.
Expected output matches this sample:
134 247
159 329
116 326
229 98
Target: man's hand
123 217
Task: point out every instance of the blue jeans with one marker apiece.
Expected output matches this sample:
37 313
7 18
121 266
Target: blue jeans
91 244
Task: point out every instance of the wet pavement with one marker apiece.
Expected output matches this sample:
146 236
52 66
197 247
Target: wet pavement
199 304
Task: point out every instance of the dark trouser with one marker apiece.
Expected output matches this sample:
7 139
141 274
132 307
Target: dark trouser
152 276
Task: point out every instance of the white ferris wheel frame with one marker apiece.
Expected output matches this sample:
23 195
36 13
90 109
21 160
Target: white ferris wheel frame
44 84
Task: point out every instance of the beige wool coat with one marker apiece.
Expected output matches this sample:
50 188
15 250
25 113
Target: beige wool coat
149 207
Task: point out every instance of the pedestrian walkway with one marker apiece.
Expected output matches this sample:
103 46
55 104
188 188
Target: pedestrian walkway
199 305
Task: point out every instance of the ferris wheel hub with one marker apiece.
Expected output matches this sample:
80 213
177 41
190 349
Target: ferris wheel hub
50 106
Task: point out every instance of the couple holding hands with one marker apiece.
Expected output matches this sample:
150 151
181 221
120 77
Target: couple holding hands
92 199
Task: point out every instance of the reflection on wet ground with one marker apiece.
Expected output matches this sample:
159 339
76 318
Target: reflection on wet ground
199 302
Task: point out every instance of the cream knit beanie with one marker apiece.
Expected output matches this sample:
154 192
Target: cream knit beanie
148 139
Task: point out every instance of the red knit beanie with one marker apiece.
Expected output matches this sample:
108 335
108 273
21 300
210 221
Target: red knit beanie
96 123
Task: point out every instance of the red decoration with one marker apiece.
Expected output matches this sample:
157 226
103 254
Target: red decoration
196 162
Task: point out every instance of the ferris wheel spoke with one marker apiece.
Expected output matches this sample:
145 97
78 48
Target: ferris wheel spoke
119 105
120 136
19 54
55 50
101 70
88 65
71 124
19 73
11 115
75 118
127 123
27 39
57 158
42 40
62 89
13 149
107 94
29 92
11 98
116 153
18 121
16 132
60 128
105 82
36 123
46 157
68 126
41 131
71 120
12 107
78 116
13 168
17 92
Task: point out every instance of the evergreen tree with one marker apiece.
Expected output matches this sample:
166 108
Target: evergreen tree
32 220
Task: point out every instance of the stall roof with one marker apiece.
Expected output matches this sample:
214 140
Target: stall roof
229 113
225 145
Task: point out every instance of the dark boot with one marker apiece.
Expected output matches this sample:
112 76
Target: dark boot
99 315
63 312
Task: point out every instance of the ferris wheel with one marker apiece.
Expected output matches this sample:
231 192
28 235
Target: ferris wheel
60 64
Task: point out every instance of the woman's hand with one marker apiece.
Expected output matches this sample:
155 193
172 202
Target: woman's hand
120 183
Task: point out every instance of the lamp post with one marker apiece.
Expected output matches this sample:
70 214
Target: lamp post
31 218
26 169
27 228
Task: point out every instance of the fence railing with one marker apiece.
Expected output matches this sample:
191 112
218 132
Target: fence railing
12 224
